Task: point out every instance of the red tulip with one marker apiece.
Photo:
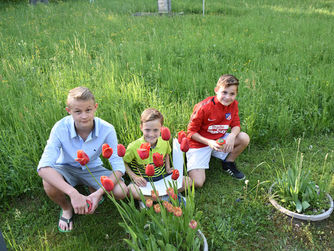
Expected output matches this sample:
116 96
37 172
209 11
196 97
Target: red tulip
146 146
158 159
177 211
144 150
174 196
154 195
220 142
165 203
149 202
171 194
83 158
107 183
149 170
185 145
106 151
169 207
165 133
157 208
143 153
180 136
120 150
193 224
175 174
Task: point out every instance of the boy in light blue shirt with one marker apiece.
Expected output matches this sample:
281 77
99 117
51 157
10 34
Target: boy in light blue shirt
61 172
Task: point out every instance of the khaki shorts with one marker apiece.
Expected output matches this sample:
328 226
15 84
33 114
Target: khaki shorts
199 158
76 176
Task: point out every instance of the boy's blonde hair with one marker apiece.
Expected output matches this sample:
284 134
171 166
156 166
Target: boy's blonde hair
79 93
227 80
151 114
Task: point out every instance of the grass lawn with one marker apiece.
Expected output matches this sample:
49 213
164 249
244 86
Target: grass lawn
233 217
282 52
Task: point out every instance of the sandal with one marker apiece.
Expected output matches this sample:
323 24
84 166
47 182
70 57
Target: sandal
67 221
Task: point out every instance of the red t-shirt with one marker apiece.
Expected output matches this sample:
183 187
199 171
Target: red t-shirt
211 120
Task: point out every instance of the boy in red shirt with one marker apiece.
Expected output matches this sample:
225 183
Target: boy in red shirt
209 122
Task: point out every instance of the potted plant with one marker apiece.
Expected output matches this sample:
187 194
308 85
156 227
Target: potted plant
296 194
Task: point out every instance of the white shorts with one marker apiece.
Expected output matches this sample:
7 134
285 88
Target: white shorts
199 158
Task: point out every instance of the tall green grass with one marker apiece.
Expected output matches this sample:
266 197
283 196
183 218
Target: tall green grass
282 52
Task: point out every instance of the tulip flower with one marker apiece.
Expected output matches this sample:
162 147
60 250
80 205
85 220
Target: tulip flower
169 207
143 153
107 183
175 174
120 150
165 133
174 196
185 145
193 224
146 146
157 208
149 203
149 170
106 151
177 211
144 150
158 159
221 142
170 191
83 158
154 195
165 203
180 136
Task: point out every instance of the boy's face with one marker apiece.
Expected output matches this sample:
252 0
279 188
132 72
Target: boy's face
226 95
83 112
151 131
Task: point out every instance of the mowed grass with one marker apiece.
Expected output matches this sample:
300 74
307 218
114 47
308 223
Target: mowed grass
281 51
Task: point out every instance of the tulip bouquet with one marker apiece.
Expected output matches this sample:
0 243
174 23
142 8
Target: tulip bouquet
162 225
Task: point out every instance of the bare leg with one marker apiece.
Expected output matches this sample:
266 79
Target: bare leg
120 190
134 190
186 182
198 176
60 199
241 142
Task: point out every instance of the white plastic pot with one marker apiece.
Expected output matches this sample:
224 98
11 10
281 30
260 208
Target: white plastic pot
317 217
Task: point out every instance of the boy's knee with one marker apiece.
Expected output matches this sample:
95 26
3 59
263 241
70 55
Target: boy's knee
198 183
244 138
187 181
198 177
133 191
121 192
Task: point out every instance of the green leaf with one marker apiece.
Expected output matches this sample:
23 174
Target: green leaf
299 206
305 205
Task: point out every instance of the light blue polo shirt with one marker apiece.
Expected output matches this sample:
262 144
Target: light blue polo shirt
64 142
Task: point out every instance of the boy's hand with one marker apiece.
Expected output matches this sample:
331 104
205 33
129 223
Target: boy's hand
78 202
169 170
94 198
214 145
139 181
229 145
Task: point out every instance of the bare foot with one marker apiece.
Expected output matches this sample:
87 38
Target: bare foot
65 220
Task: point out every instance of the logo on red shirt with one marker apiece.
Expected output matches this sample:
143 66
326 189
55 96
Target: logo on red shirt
228 116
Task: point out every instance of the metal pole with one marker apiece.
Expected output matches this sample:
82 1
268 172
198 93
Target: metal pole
203 7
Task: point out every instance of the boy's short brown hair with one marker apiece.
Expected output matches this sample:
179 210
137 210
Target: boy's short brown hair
79 93
227 80
151 114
